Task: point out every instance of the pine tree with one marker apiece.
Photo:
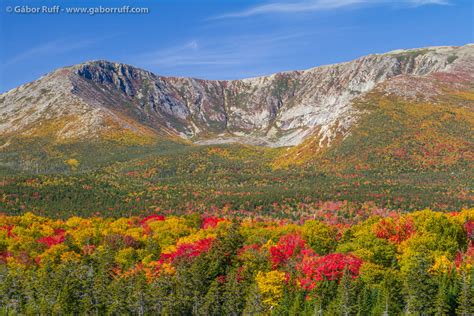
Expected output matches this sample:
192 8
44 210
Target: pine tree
419 287
212 301
442 297
346 298
390 297
465 296
233 296
253 302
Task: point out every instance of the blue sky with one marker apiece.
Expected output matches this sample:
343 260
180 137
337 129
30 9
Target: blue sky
223 39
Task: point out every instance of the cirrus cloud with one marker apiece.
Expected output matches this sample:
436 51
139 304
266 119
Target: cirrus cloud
320 5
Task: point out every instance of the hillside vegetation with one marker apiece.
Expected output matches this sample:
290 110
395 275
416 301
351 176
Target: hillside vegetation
419 263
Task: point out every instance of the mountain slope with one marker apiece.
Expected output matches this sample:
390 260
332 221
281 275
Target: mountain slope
405 122
103 100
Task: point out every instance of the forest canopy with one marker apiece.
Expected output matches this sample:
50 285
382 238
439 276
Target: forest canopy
207 265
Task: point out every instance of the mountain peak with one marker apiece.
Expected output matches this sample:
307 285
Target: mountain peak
283 109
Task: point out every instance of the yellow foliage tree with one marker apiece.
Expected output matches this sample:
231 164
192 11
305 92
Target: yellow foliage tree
321 237
270 286
72 163
441 265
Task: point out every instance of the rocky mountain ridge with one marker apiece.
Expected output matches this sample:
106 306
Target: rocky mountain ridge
93 99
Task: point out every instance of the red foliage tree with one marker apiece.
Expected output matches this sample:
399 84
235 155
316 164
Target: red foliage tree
395 230
210 221
8 229
315 269
465 257
469 226
289 246
152 218
249 248
4 255
57 238
187 251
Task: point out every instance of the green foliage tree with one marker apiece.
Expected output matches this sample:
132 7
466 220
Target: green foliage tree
212 301
419 287
442 304
466 294
345 302
234 290
253 302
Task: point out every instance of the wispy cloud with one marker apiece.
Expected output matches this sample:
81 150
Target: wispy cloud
50 48
229 57
319 5
223 51
426 2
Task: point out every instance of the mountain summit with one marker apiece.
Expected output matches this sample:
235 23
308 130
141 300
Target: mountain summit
101 99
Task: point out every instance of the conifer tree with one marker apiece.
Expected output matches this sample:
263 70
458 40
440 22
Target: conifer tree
345 302
323 295
390 296
442 297
466 295
365 300
138 300
253 302
295 302
212 305
419 287
234 295
118 297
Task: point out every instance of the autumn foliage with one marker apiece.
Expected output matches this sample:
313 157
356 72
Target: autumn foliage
55 239
316 269
186 251
288 247
261 265
395 230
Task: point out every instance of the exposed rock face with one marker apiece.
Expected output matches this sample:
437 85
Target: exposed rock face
277 110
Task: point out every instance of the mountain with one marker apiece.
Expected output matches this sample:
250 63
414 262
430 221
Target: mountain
403 106
394 129
104 99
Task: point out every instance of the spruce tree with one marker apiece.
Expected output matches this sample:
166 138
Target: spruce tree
324 293
390 296
138 300
345 302
223 251
365 300
419 287
212 305
253 302
295 308
442 297
234 295
466 295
